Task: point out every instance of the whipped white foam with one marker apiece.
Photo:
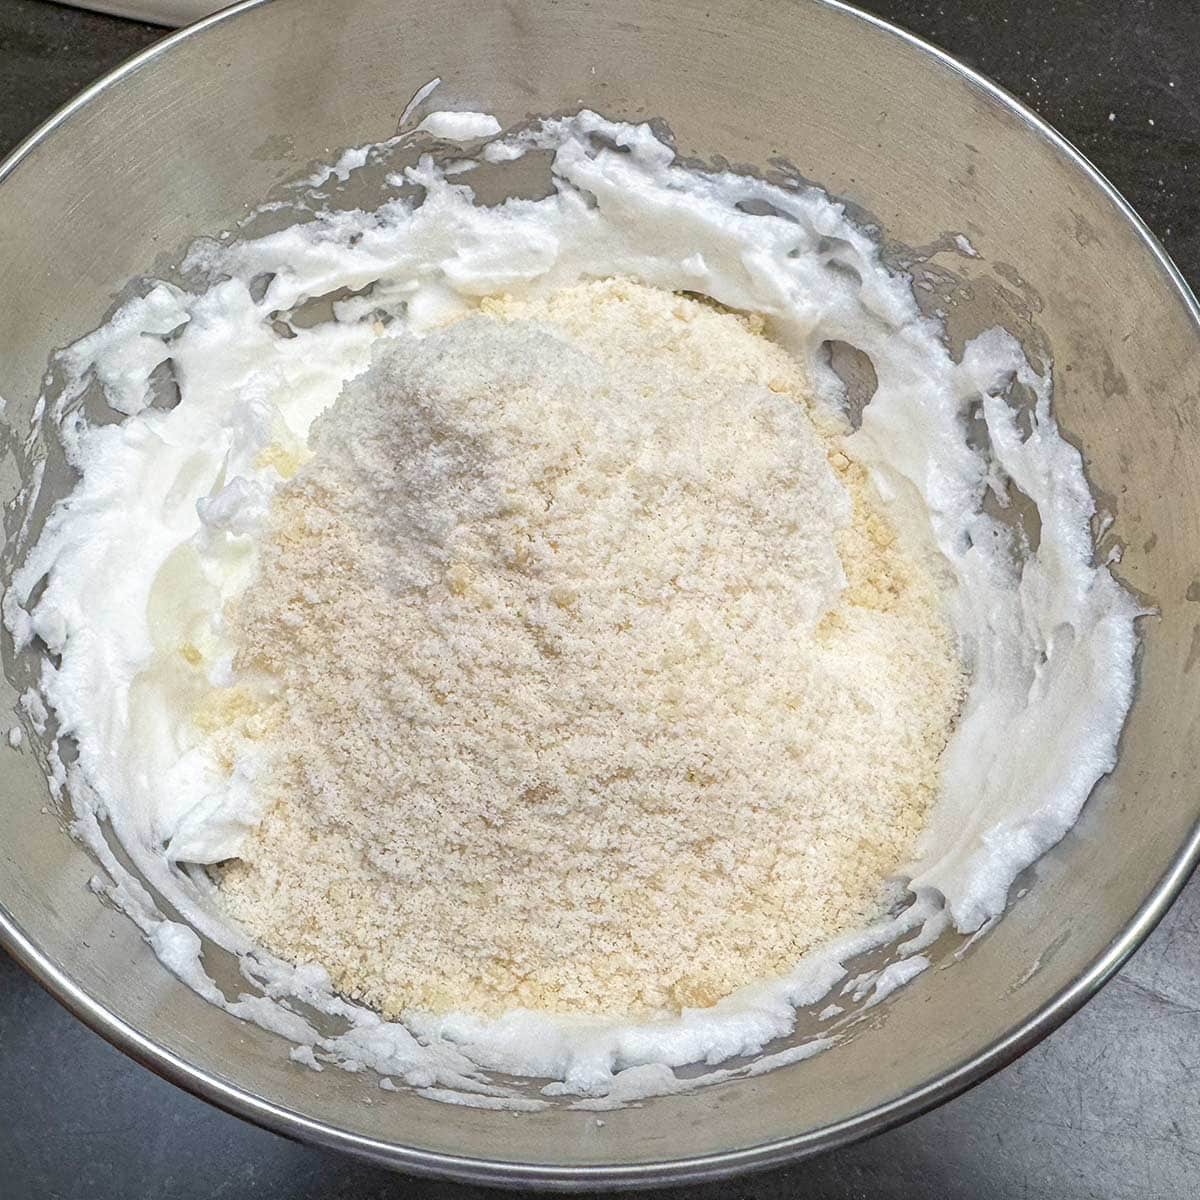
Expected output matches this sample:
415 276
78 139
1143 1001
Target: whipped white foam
159 535
460 126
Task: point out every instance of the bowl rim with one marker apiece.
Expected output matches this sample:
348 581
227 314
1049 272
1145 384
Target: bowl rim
562 1177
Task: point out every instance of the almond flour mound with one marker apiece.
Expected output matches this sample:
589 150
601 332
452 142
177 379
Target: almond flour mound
591 674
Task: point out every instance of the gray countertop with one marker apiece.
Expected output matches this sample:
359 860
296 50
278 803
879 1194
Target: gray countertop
1107 1107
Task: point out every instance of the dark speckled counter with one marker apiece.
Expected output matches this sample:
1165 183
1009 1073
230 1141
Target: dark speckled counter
1108 1107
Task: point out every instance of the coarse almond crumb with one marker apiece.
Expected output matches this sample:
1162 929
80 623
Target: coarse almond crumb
595 675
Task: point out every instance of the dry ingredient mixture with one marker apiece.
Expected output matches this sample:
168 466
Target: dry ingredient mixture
593 676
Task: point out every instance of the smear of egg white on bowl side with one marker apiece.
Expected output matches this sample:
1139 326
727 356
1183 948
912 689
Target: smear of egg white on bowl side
1048 636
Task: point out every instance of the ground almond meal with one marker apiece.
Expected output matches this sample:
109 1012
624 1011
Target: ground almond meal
592 675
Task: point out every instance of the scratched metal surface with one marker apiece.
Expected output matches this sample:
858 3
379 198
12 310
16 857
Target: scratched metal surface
1107 1108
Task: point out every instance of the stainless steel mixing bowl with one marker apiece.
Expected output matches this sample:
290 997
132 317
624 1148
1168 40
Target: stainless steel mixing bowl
185 137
